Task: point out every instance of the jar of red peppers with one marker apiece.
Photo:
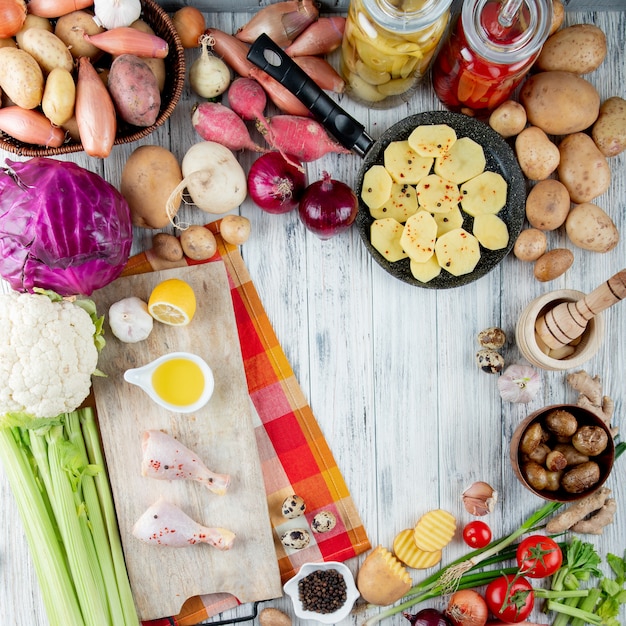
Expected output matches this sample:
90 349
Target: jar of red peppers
388 46
490 49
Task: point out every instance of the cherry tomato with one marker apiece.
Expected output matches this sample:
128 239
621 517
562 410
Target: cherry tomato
477 534
539 556
510 598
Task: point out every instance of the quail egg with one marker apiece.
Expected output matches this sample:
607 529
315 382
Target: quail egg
323 522
293 506
297 539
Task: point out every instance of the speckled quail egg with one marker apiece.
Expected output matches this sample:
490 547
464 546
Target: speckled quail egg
323 522
297 539
293 506
492 338
489 361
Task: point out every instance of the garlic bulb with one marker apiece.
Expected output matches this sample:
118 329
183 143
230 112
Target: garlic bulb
519 383
116 13
129 320
479 498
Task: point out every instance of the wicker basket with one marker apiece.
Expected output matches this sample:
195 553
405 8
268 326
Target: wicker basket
162 25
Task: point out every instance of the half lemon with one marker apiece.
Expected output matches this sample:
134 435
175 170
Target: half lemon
172 302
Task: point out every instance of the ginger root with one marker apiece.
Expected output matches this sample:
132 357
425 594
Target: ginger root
590 397
578 511
594 525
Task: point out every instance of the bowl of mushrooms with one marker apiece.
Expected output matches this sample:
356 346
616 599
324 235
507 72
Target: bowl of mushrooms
562 452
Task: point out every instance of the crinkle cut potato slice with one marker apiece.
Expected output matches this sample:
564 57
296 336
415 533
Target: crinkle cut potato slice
406 551
432 140
404 164
464 160
434 530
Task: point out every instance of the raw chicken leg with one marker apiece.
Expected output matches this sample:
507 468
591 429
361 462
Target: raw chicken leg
165 458
164 524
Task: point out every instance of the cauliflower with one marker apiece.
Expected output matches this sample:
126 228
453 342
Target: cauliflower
47 354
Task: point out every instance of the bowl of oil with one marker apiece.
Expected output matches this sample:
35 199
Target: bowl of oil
179 381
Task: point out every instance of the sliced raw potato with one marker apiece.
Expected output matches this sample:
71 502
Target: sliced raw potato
490 231
432 140
377 184
437 194
448 221
434 530
486 193
463 161
419 235
404 164
406 551
401 204
382 579
458 252
385 237
425 272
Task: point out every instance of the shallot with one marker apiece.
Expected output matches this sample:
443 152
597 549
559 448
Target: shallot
519 383
209 76
30 126
128 40
190 25
321 37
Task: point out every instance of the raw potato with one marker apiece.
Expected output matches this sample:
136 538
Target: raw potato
404 164
448 221
434 530
464 160
167 247
458 252
558 15
198 243
382 579
547 205
406 551
432 140
609 131
484 194
21 78
590 228
508 119
418 236
579 49
537 155
553 264
235 229
490 231
59 96
583 169
47 49
69 28
401 204
149 177
437 194
376 186
425 272
559 102
385 237
270 616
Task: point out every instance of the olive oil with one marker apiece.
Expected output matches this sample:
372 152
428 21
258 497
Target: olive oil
178 381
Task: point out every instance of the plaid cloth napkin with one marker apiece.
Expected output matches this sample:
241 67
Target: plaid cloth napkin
295 457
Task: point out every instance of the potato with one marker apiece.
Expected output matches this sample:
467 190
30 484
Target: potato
547 205
59 96
591 440
579 48
590 228
508 119
490 231
437 194
418 236
376 187
536 475
158 69
150 175
537 155
235 229
382 579
432 140
167 247
581 478
21 78
198 243
401 204
33 21
530 245
404 164
484 194
47 49
558 15
69 28
553 264
385 236
583 169
448 221
7 42
559 102
134 90
562 423
609 131
458 252
464 160
425 272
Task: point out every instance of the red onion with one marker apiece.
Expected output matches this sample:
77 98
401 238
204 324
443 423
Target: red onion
328 207
428 617
274 184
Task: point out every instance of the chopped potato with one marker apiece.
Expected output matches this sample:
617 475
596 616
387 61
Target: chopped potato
385 236
464 160
377 184
486 193
436 194
432 140
404 164
490 231
419 235
425 272
458 252
406 551
401 204
448 221
434 530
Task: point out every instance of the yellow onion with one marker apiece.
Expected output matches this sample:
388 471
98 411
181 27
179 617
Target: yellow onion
12 16
190 25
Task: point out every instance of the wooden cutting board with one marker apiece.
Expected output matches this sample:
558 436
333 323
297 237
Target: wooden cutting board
222 435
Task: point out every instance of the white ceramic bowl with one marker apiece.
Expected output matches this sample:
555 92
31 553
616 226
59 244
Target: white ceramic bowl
352 593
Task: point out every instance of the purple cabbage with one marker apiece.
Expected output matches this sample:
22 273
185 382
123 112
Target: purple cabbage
62 227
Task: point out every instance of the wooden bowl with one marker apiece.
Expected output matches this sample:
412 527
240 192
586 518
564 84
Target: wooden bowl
585 418
589 342
162 25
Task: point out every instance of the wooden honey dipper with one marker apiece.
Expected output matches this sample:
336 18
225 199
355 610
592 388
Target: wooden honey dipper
567 321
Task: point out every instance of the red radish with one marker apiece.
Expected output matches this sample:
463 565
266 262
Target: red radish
321 37
322 72
215 122
248 99
303 138
30 126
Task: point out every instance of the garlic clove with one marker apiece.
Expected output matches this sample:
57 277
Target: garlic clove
479 498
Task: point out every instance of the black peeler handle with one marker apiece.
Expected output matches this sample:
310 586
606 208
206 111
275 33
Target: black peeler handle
271 58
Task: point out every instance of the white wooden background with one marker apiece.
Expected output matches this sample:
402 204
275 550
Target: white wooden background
389 368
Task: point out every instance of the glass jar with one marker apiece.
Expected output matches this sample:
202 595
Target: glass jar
388 46
489 51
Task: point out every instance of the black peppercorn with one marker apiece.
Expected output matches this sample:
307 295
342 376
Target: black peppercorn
323 591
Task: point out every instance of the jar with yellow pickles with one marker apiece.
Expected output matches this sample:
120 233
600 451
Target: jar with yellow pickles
388 46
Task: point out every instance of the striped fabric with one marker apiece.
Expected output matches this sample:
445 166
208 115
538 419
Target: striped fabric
294 455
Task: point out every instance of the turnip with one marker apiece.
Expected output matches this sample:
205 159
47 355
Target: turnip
215 122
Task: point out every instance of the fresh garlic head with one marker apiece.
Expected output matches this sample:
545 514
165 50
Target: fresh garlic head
129 320
116 13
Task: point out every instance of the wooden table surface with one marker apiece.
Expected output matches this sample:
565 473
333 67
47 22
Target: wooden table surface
388 368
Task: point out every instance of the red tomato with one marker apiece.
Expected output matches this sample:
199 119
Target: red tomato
510 598
477 534
539 556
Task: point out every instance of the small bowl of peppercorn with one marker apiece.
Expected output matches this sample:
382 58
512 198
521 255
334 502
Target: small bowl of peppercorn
324 592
